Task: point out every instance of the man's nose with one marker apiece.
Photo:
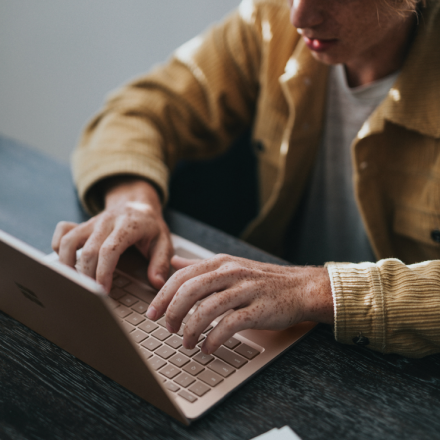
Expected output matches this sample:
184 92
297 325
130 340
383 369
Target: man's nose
306 13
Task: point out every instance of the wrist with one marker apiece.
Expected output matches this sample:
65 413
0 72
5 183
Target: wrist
318 299
121 190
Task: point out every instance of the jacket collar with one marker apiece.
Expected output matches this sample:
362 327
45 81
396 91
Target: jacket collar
414 100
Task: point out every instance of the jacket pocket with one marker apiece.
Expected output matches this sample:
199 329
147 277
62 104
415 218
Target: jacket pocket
421 226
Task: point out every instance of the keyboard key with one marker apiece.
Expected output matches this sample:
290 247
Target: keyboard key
169 371
120 281
175 342
151 344
187 396
180 332
179 360
230 357
148 326
162 321
193 368
146 354
128 327
140 307
161 334
146 294
113 303
122 311
164 352
247 352
185 320
210 378
203 358
135 318
156 362
221 368
172 387
189 352
138 336
128 300
231 343
199 389
184 380
116 293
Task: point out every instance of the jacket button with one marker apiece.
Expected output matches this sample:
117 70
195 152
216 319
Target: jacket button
435 235
259 146
361 340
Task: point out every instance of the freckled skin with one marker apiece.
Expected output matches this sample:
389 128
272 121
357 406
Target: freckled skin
371 37
133 216
260 296
372 42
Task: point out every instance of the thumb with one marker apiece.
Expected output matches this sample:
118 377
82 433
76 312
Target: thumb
180 262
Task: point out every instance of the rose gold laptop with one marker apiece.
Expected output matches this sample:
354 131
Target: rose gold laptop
112 334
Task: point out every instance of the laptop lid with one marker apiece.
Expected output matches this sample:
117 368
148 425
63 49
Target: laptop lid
73 312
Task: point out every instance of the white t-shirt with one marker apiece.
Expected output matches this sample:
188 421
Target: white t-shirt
328 226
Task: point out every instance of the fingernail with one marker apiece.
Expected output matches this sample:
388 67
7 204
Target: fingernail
169 328
151 313
160 278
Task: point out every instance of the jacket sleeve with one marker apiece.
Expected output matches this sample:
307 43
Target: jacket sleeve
395 306
192 107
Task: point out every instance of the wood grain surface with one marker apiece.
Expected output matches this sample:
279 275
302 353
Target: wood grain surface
322 389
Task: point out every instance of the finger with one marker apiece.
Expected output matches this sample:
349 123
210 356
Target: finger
112 248
191 291
88 261
233 323
61 230
160 257
209 309
72 241
163 298
180 262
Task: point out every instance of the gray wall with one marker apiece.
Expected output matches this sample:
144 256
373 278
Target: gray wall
59 58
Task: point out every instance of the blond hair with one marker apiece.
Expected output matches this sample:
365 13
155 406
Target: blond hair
404 6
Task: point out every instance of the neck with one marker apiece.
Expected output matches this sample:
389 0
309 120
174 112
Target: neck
384 59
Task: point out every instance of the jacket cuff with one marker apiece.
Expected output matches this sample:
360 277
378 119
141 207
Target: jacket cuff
359 308
96 166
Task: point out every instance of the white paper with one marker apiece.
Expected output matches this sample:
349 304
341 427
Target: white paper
285 433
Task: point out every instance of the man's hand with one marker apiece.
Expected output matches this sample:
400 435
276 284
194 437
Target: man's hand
260 296
132 216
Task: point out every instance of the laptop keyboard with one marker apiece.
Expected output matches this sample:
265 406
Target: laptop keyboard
190 374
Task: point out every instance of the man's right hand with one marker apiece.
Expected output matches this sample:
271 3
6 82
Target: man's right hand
132 216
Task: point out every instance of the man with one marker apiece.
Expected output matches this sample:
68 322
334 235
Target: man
257 69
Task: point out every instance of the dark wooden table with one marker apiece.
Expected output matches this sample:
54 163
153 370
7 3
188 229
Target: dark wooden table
322 389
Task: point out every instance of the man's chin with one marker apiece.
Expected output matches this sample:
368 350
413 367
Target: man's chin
327 58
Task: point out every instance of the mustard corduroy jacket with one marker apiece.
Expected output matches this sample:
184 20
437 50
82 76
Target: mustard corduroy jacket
253 70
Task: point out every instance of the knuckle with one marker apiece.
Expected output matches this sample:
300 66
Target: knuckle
89 253
62 226
106 249
66 241
222 258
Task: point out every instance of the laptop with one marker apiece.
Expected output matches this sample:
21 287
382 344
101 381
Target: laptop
112 334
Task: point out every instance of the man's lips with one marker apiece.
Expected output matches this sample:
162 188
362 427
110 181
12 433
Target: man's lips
318 45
